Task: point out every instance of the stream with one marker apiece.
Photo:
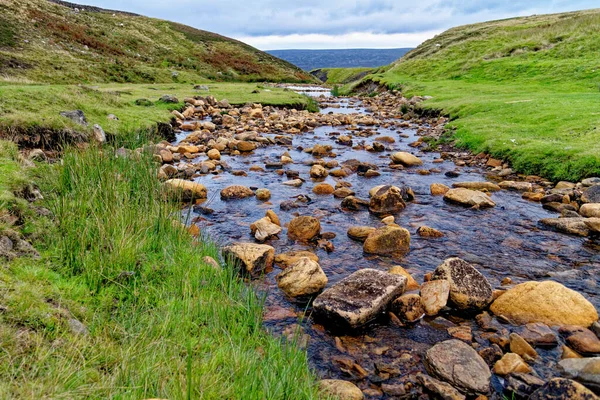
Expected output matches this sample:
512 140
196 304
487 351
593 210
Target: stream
502 242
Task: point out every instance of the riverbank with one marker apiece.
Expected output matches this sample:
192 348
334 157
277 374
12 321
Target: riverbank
119 107
541 129
524 90
118 299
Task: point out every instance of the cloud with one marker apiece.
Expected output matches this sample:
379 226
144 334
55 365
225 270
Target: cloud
336 21
349 40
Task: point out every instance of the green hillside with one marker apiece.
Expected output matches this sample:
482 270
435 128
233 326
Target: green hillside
525 89
45 42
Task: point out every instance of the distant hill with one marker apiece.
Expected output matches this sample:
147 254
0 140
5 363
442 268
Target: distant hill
309 60
59 42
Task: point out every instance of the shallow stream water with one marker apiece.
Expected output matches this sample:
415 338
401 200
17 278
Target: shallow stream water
505 241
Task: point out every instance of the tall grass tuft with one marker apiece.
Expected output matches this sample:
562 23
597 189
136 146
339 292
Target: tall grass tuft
162 323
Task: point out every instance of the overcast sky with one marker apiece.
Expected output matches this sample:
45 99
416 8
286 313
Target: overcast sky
328 24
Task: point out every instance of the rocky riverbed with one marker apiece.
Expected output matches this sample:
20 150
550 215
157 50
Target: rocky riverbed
406 272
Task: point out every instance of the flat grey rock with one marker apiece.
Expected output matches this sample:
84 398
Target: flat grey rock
359 298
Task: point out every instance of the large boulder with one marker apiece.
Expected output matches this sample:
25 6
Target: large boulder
304 228
236 192
406 159
563 389
339 389
304 278
469 289
460 365
359 298
185 190
468 197
388 240
387 200
252 258
548 302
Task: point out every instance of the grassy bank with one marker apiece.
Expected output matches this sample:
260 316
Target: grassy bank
122 305
44 42
523 89
39 105
341 76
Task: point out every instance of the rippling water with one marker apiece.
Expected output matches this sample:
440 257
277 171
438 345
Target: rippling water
505 241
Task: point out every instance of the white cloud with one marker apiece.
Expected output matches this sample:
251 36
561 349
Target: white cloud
277 24
345 41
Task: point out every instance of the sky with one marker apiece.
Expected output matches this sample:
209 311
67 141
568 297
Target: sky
336 24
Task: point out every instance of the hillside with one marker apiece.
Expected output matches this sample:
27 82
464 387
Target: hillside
309 60
47 42
525 89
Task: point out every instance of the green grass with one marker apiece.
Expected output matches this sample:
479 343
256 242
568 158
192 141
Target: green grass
13 179
342 76
40 105
161 323
525 89
64 47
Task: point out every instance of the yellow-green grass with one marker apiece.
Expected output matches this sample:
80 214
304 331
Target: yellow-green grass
523 89
40 105
160 322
